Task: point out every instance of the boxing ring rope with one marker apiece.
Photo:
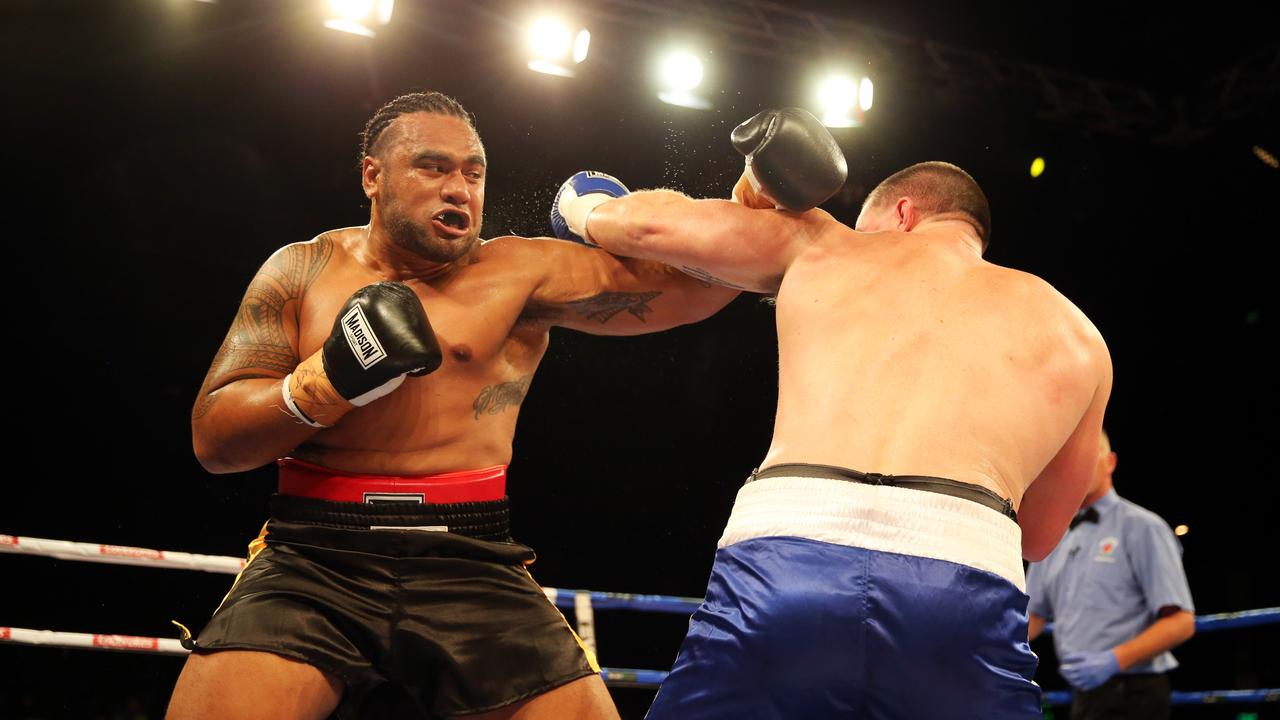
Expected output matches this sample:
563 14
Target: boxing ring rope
582 602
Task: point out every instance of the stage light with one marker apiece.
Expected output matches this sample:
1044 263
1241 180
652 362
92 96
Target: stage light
555 47
580 45
679 73
865 90
1037 167
358 17
549 39
1181 530
843 100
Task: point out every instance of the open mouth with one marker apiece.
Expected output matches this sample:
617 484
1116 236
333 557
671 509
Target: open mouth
451 221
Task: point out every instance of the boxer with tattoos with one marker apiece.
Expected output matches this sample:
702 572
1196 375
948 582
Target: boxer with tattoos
382 368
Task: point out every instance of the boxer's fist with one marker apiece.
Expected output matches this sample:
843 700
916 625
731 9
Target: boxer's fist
792 161
380 335
578 196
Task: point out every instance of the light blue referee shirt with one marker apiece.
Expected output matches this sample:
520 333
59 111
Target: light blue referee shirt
1107 580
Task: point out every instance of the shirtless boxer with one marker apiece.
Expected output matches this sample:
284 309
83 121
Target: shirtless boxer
386 582
873 566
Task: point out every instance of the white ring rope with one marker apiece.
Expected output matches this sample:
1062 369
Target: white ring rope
126 555
120 554
582 601
92 641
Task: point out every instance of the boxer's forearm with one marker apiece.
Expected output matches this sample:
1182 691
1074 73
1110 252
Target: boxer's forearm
642 225
715 240
1164 634
244 425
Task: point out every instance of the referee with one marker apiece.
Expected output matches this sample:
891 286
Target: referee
1116 592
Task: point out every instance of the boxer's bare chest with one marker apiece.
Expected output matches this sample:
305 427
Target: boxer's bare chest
476 310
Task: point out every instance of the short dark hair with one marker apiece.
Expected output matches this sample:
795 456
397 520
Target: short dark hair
429 102
938 187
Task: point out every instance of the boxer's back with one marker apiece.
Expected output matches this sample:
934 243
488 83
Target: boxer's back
906 353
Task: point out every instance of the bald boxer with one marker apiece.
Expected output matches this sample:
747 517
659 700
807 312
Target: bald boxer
385 365
937 422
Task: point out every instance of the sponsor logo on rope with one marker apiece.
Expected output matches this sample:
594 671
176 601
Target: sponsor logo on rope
124 551
360 338
8 540
4 633
125 642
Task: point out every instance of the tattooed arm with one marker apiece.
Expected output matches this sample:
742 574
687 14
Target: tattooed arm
239 422
603 294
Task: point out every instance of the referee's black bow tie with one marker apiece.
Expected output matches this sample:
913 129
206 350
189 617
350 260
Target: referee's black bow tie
1089 515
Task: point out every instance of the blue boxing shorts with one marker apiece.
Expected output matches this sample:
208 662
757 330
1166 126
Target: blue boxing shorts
835 595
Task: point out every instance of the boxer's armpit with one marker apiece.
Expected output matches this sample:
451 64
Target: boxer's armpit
604 307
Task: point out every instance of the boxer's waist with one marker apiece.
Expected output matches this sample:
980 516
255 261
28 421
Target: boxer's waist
488 520
303 479
819 503
942 486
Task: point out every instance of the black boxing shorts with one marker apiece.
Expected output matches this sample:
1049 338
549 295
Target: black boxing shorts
420 609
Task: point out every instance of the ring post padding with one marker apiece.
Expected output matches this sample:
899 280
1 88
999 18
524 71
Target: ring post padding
586 619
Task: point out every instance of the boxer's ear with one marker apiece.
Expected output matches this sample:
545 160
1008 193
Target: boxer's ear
906 214
370 168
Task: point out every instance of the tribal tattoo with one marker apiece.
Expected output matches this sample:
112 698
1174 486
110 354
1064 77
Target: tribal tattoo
257 339
493 399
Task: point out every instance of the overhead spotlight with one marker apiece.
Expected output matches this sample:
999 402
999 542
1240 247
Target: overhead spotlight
1037 167
1181 530
580 45
555 47
679 73
844 100
358 17
865 90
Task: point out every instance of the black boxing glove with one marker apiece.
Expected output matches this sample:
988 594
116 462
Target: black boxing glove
792 161
381 335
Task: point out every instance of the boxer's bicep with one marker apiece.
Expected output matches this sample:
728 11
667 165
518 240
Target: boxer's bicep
1055 496
263 339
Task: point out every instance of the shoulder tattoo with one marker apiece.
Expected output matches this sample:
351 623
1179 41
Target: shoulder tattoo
257 339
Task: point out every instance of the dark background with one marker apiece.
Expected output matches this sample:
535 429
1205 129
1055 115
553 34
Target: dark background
160 150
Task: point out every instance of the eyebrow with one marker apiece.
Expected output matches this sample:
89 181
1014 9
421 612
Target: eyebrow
442 157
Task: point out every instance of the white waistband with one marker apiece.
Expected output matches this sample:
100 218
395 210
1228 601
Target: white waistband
879 517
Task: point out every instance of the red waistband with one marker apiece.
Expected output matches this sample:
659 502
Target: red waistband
298 477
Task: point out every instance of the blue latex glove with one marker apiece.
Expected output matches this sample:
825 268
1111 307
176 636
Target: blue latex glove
1088 670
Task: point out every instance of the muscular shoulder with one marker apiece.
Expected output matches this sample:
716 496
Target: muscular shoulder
1041 300
294 267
